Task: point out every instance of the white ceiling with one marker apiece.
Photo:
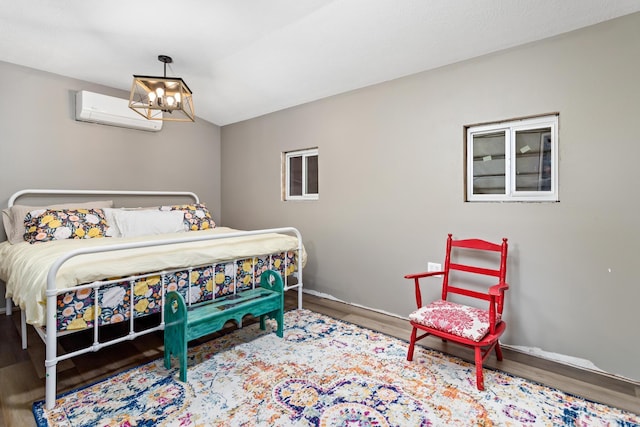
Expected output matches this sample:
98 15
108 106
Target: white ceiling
246 58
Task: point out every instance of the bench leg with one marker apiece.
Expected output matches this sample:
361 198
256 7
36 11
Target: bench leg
278 316
178 350
280 319
175 344
167 357
183 364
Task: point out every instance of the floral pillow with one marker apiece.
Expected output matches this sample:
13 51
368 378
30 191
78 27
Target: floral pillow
196 216
44 225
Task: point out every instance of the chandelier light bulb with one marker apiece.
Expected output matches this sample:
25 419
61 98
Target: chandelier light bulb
160 92
170 101
152 96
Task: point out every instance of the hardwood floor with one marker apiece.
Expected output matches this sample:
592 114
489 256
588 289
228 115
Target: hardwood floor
22 371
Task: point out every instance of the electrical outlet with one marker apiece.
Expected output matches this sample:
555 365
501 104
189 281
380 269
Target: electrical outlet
433 266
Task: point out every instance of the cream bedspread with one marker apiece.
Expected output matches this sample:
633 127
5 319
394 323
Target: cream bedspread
24 267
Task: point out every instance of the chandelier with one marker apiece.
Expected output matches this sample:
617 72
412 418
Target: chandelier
162 98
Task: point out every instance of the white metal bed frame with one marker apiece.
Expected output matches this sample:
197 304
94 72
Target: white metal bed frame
50 335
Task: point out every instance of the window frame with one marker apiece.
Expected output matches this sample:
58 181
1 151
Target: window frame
510 128
286 156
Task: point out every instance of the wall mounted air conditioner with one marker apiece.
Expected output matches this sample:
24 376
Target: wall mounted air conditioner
108 110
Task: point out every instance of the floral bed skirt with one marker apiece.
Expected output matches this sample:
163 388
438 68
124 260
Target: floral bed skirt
76 309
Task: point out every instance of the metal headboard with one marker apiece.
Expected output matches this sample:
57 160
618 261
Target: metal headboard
28 192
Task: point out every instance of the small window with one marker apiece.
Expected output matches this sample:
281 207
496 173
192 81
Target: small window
301 175
513 161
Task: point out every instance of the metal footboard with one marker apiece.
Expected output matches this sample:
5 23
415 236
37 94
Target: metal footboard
50 336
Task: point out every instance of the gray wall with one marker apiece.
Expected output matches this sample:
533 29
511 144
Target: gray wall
391 188
42 146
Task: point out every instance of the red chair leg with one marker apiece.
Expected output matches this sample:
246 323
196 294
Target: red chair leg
412 344
498 351
479 376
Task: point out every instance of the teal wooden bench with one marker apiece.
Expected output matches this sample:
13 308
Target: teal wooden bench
183 324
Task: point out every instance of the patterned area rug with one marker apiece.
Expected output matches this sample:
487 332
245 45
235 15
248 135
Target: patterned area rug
323 373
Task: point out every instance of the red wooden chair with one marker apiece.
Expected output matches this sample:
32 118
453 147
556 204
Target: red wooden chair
476 323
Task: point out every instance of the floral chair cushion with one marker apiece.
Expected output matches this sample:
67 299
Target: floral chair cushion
457 319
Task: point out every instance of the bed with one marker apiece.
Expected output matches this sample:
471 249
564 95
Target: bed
87 265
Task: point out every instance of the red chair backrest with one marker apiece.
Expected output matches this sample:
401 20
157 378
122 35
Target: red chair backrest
476 246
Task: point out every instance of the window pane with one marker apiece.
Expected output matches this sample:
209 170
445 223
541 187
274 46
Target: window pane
533 160
489 163
312 175
514 160
295 176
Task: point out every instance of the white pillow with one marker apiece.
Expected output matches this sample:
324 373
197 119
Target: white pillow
146 222
112 229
